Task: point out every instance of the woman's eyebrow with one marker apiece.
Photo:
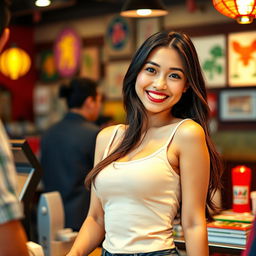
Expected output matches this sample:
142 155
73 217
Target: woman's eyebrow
171 68
153 63
178 69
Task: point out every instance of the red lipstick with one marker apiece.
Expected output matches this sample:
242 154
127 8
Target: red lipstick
156 97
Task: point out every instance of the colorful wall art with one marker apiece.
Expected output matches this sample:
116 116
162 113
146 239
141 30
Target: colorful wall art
115 74
242 58
90 63
212 56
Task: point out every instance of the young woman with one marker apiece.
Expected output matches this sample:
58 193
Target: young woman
161 161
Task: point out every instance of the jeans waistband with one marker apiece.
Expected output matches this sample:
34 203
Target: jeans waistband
167 252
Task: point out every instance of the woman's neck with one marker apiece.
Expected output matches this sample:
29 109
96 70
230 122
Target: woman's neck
156 121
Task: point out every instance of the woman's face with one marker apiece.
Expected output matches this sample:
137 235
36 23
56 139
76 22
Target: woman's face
161 81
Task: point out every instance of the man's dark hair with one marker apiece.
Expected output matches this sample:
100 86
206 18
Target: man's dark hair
4 14
77 91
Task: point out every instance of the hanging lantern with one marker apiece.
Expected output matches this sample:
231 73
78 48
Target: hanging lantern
14 62
244 11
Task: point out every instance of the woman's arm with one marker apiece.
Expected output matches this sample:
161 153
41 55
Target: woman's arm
194 166
92 232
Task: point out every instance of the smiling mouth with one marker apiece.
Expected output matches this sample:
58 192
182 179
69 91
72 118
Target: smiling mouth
156 96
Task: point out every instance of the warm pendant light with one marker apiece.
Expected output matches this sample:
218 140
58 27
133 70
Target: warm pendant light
14 62
143 8
42 3
244 11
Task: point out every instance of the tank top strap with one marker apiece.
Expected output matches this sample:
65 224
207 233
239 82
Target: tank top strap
106 151
174 130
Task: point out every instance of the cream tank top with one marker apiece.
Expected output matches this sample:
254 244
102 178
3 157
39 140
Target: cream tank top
140 199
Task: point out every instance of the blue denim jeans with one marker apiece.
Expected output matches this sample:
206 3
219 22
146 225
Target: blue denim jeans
168 252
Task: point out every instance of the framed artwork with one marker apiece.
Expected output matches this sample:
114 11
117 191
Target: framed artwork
145 28
242 58
237 105
115 74
90 63
67 51
119 37
47 68
211 52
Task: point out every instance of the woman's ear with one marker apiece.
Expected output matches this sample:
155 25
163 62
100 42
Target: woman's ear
4 38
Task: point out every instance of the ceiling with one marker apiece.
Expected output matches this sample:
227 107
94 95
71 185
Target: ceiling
24 12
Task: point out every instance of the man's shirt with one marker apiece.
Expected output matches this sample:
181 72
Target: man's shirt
10 207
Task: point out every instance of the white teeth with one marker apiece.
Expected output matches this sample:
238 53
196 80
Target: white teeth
157 96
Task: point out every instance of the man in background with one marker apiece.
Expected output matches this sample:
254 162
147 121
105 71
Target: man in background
67 149
12 236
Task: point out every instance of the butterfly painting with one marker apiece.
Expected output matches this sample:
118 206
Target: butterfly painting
242 59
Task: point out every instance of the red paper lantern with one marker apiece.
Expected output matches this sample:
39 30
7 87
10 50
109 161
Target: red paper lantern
244 11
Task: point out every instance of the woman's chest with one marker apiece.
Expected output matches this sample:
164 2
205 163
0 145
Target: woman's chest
147 177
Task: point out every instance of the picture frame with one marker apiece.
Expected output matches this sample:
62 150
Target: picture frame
115 71
237 105
90 66
212 56
145 28
47 68
241 59
119 39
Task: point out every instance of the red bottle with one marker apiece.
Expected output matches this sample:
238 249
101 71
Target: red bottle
241 180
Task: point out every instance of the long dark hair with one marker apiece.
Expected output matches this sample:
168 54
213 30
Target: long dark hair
193 104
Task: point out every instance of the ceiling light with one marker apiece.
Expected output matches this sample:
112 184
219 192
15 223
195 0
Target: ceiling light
143 8
244 11
42 3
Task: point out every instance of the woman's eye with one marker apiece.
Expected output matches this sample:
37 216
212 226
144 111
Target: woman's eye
176 76
151 70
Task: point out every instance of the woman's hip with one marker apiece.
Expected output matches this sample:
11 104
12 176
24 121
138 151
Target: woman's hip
167 252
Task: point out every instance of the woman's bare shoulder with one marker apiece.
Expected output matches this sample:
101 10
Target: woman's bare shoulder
105 134
190 131
102 142
190 139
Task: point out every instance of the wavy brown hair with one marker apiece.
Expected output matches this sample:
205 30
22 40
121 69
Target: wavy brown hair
193 104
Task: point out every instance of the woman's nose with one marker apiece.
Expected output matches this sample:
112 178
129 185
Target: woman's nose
160 84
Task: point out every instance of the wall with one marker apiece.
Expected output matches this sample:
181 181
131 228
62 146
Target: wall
178 17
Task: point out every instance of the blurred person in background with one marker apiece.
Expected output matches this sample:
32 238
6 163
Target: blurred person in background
12 235
67 149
